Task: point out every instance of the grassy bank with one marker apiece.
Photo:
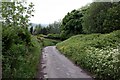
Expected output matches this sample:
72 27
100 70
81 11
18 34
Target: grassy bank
98 53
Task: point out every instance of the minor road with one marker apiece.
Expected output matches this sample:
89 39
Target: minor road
56 65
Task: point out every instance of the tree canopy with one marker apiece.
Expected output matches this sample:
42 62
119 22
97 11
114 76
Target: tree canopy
16 14
71 23
97 17
101 17
16 39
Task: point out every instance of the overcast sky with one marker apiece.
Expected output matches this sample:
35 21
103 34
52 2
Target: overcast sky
48 11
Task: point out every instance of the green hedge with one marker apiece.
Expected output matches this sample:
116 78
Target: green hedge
46 41
20 53
54 36
98 53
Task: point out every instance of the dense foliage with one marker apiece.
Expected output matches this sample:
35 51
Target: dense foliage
102 17
98 53
97 17
112 18
53 28
16 14
39 29
71 24
54 36
20 50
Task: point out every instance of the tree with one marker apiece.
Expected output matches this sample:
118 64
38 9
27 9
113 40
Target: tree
112 20
16 14
44 31
54 28
72 23
37 29
15 36
97 17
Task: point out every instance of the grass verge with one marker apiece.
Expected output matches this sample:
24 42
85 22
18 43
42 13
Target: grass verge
98 53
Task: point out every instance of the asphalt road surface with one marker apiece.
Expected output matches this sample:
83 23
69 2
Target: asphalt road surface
56 65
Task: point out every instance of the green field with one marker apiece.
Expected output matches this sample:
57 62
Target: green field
97 53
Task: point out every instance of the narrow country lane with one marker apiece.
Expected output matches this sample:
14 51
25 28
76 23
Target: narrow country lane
56 65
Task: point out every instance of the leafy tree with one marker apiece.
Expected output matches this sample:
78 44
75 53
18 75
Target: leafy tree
71 23
44 31
112 20
101 17
15 37
84 9
54 28
16 14
37 29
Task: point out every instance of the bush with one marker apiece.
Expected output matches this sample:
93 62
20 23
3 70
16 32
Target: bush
15 35
65 35
98 53
20 53
53 36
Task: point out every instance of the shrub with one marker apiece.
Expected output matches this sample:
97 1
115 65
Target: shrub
53 36
20 53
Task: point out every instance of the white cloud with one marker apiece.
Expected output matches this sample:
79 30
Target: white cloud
48 11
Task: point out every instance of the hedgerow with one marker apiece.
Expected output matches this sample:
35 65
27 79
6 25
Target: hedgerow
20 53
